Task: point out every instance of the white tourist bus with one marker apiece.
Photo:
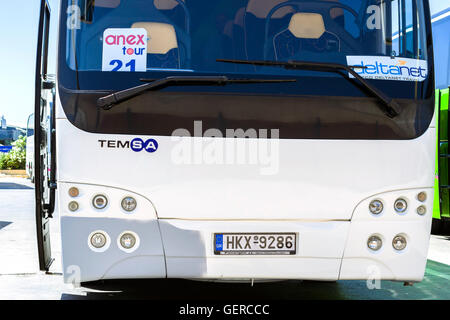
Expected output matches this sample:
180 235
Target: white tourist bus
237 140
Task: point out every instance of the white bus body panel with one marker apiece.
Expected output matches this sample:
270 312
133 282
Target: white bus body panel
189 247
321 192
80 261
317 179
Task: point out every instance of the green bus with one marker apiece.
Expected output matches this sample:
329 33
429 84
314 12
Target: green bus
441 211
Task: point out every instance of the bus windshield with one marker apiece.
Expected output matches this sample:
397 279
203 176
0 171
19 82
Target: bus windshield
172 37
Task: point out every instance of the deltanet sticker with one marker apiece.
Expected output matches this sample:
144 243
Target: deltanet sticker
387 68
124 50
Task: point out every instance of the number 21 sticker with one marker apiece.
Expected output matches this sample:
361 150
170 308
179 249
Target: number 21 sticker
124 50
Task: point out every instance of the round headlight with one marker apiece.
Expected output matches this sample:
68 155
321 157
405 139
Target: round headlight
129 204
400 205
127 241
421 210
399 242
422 197
374 243
376 206
73 206
98 240
100 201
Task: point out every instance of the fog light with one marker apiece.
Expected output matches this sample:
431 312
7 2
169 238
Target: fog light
399 242
129 204
376 206
127 241
74 192
421 210
400 205
98 240
99 201
374 243
73 206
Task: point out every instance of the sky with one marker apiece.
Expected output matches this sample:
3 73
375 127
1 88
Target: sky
18 36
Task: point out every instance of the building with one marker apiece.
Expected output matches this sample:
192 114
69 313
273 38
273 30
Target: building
9 134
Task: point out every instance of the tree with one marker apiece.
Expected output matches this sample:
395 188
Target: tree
16 158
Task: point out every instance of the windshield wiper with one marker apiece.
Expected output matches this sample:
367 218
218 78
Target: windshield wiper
392 108
107 102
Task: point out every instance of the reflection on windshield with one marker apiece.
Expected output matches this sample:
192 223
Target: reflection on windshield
190 35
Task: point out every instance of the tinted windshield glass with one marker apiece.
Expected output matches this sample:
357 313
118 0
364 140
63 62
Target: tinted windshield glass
190 35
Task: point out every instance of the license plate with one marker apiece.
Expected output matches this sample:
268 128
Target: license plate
255 243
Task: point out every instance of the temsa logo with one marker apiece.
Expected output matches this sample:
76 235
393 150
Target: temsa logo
137 144
131 40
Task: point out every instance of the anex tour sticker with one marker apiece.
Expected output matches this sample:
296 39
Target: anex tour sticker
388 68
124 50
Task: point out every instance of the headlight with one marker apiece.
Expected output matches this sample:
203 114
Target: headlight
376 206
374 243
129 204
128 241
399 242
98 240
100 201
400 205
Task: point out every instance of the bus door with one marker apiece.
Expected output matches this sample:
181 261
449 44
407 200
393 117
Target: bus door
44 142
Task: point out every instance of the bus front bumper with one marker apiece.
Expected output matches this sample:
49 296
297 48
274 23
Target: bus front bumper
182 248
333 250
